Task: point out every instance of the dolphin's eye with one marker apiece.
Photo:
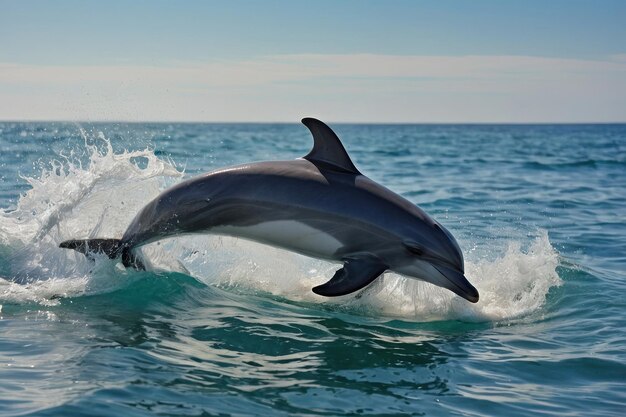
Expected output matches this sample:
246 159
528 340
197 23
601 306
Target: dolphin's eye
414 248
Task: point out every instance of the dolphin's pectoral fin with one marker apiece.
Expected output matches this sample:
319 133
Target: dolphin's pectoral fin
327 147
357 272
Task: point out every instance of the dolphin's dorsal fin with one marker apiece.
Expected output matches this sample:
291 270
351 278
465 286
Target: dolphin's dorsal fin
327 147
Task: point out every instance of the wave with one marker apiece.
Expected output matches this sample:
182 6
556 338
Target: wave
70 199
585 163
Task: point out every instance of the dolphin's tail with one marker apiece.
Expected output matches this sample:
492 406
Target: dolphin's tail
113 248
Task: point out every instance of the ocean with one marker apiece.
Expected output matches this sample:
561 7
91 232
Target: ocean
222 326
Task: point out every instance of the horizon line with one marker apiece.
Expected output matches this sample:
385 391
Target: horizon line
342 122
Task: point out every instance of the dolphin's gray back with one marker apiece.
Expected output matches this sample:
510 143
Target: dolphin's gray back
296 204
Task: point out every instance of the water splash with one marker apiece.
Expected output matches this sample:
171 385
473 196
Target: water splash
70 199
512 285
73 200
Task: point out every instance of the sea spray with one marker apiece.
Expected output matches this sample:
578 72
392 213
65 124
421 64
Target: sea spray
70 199
512 284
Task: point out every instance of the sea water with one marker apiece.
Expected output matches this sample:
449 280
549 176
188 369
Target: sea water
222 326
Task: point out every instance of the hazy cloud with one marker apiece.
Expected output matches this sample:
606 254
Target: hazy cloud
353 87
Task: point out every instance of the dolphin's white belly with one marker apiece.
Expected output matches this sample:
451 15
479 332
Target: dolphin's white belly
288 234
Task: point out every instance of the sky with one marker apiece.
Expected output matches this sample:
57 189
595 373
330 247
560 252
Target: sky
480 61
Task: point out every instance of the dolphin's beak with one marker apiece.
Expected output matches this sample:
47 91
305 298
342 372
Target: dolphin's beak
456 282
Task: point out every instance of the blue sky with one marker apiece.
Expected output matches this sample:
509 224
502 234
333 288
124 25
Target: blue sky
362 61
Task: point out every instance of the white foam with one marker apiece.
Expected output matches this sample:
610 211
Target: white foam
68 200
511 285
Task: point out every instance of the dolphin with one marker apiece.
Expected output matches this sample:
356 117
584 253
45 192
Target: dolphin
319 205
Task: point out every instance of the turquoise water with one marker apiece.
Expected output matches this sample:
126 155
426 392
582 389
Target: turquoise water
219 326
